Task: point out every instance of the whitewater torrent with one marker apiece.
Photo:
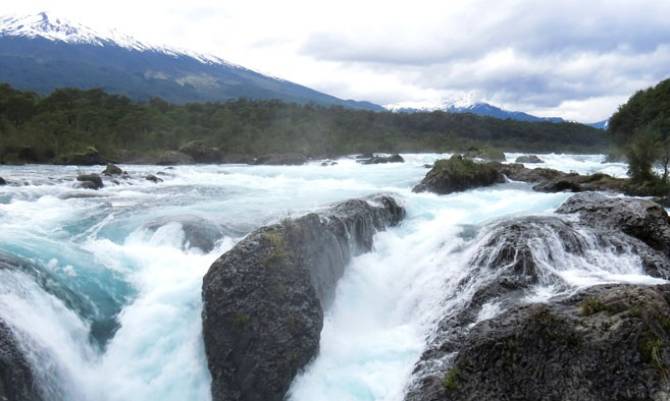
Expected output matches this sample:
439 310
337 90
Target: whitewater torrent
118 315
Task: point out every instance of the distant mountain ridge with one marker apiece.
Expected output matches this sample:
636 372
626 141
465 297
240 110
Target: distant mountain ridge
42 53
480 109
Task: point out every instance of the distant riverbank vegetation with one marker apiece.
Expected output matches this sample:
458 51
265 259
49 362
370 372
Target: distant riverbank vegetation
47 129
641 129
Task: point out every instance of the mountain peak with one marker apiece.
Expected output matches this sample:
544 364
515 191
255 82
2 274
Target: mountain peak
47 26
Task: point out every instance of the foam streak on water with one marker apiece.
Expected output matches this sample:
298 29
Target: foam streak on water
124 255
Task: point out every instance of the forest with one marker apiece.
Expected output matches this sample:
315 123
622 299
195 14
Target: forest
46 129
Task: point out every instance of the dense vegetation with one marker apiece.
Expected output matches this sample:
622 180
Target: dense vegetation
36 128
641 129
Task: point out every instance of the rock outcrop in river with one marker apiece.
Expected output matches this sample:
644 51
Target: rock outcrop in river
264 299
17 382
459 174
605 343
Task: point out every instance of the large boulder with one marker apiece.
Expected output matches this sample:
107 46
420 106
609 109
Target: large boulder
513 258
90 181
459 174
264 299
639 218
17 381
112 170
606 343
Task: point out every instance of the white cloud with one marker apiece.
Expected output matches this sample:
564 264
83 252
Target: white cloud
569 58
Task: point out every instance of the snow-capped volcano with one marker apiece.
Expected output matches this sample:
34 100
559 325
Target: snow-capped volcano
43 26
42 53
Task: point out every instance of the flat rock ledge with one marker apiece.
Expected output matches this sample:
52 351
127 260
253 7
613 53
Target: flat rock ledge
264 299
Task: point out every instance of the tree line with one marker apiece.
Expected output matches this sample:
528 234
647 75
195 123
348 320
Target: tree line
38 128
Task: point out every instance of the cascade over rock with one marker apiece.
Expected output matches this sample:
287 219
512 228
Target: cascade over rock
642 219
606 343
517 255
264 299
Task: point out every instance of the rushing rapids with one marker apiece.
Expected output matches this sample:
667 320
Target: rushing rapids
100 291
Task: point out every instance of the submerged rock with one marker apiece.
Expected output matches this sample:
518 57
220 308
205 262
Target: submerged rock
198 232
2 181
528 159
605 343
264 299
17 381
396 158
153 179
90 181
112 169
458 174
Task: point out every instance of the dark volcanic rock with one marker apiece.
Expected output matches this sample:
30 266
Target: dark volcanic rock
383 159
90 181
513 257
282 159
111 170
528 159
17 382
264 299
153 178
549 180
642 219
606 343
459 174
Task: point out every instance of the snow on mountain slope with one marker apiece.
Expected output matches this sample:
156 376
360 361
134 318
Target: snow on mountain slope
42 25
467 105
42 53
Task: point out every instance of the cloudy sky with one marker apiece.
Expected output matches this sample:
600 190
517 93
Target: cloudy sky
575 59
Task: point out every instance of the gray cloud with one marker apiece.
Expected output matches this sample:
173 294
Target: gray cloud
536 54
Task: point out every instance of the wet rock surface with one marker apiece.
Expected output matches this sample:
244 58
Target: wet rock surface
198 232
17 382
396 158
605 343
639 218
573 347
264 299
112 170
90 181
459 174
